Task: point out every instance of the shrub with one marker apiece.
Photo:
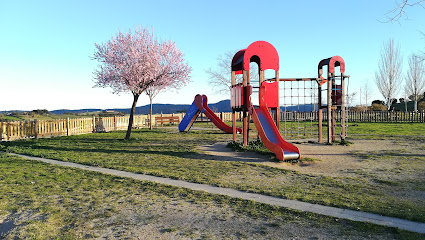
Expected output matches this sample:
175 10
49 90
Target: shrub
378 107
359 108
421 106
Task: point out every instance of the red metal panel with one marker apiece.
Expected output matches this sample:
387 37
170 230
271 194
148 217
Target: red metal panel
269 94
263 53
336 61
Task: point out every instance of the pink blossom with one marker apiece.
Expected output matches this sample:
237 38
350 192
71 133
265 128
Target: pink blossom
137 61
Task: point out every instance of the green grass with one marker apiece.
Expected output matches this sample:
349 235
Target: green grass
10 118
307 129
64 203
171 154
387 129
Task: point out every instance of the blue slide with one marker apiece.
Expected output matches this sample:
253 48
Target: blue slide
191 115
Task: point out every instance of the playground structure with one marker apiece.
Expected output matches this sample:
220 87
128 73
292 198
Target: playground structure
266 56
310 91
200 105
266 116
335 96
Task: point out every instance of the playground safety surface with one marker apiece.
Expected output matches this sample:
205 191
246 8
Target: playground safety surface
292 204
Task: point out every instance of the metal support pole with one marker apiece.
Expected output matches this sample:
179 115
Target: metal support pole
233 111
329 107
320 119
343 131
277 120
245 105
234 124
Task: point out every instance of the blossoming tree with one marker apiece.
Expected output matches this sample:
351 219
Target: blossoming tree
135 62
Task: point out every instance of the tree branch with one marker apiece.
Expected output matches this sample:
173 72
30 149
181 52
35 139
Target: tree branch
399 11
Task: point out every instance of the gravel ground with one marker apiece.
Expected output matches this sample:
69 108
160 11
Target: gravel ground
329 160
177 219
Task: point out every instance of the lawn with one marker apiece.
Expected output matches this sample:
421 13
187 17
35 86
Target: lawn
308 129
41 201
167 153
411 130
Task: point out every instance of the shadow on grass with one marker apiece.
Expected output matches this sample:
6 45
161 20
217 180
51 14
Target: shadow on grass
111 151
219 152
215 152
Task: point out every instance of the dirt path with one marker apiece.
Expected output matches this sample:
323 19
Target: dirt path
330 160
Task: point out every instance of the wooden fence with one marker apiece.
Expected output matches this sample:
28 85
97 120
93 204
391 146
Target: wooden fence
10 131
381 117
65 127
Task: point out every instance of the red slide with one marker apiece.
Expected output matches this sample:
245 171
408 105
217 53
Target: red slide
270 135
215 119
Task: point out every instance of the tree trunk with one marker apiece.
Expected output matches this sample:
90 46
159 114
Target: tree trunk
130 121
388 104
150 114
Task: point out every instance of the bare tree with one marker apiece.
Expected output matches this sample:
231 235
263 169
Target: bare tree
349 98
400 9
422 55
415 79
220 77
366 91
388 77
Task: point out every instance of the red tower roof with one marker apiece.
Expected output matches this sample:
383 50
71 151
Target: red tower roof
335 61
261 52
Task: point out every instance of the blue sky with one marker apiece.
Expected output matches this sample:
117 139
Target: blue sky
45 46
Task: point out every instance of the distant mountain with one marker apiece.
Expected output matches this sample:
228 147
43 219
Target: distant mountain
222 106
300 108
88 110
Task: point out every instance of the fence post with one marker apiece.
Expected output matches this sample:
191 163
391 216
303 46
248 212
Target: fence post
422 116
1 131
7 131
21 130
320 120
115 122
35 128
94 123
67 127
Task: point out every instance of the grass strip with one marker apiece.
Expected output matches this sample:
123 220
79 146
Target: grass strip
41 201
169 154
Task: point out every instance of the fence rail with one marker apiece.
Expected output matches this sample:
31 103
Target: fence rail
350 116
65 127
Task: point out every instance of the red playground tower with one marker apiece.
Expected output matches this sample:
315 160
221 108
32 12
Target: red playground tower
266 56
